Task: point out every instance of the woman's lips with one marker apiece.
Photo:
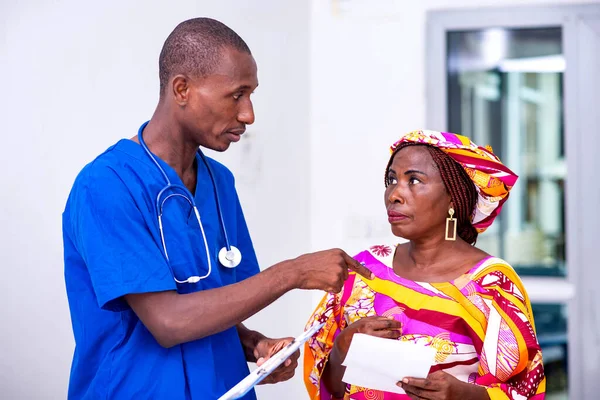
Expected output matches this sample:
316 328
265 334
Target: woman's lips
394 216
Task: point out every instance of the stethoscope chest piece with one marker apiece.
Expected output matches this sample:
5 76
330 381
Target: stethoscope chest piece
230 258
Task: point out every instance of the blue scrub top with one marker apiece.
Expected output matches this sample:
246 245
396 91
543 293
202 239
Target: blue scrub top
112 247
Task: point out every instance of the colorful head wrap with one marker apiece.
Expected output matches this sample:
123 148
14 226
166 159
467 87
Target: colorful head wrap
492 179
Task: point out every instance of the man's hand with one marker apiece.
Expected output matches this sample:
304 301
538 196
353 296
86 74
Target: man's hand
266 348
326 270
442 386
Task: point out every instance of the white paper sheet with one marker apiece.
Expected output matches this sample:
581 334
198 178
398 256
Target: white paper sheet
379 364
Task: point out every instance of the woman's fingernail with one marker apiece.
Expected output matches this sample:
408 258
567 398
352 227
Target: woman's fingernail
405 380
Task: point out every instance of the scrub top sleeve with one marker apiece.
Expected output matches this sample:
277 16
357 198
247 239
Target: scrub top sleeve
249 265
113 237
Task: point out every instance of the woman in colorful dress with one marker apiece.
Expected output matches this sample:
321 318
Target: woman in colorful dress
437 289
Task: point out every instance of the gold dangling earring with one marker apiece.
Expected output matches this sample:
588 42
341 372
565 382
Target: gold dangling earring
451 231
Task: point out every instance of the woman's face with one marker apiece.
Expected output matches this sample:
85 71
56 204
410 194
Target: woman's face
416 199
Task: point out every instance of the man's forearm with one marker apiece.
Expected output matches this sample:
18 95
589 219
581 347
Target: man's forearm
175 318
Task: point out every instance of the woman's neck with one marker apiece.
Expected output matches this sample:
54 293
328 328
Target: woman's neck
435 260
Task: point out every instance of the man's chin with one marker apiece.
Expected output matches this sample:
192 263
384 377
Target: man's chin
219 147
223 147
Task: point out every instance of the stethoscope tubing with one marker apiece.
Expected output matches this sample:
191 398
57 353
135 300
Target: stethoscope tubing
229 256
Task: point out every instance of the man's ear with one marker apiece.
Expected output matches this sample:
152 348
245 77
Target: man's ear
180 89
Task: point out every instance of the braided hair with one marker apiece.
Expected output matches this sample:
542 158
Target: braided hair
458 184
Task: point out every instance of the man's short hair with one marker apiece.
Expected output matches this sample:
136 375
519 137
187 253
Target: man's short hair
194 48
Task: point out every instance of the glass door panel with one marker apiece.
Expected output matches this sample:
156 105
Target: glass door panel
504 89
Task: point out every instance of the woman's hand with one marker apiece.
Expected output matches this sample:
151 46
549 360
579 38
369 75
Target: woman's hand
334 370
442 386
383 327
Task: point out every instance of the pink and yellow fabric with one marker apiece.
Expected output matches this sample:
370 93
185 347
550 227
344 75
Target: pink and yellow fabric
492 179
481 325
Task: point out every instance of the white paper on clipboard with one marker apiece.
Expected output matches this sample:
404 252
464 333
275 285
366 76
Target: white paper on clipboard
256 376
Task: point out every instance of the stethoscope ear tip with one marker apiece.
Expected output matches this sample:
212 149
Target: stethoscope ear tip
230 258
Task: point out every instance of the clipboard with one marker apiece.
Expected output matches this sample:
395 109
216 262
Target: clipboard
256 376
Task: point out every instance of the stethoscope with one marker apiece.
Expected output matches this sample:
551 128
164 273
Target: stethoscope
229 256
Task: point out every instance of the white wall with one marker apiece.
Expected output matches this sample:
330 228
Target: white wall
335 90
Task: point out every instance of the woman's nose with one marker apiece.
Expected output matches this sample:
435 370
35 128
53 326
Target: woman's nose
396 195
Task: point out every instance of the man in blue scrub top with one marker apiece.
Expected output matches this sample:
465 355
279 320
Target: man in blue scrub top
138 333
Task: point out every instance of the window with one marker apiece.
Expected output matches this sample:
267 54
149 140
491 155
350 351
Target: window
505 90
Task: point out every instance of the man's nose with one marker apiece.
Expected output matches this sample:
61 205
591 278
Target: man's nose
246 113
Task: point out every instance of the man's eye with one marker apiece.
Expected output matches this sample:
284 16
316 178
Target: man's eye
237 96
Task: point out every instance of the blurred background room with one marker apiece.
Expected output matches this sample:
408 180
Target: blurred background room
340 80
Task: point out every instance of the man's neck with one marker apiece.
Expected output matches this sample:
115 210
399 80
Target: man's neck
165 139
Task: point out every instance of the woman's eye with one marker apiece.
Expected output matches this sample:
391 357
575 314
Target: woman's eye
413 181
392 180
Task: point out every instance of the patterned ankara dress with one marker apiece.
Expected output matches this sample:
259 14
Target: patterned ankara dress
481 325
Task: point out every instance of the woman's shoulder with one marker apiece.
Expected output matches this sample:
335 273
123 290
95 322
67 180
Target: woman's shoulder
378 258
377 254
489 264
380 250
494 273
